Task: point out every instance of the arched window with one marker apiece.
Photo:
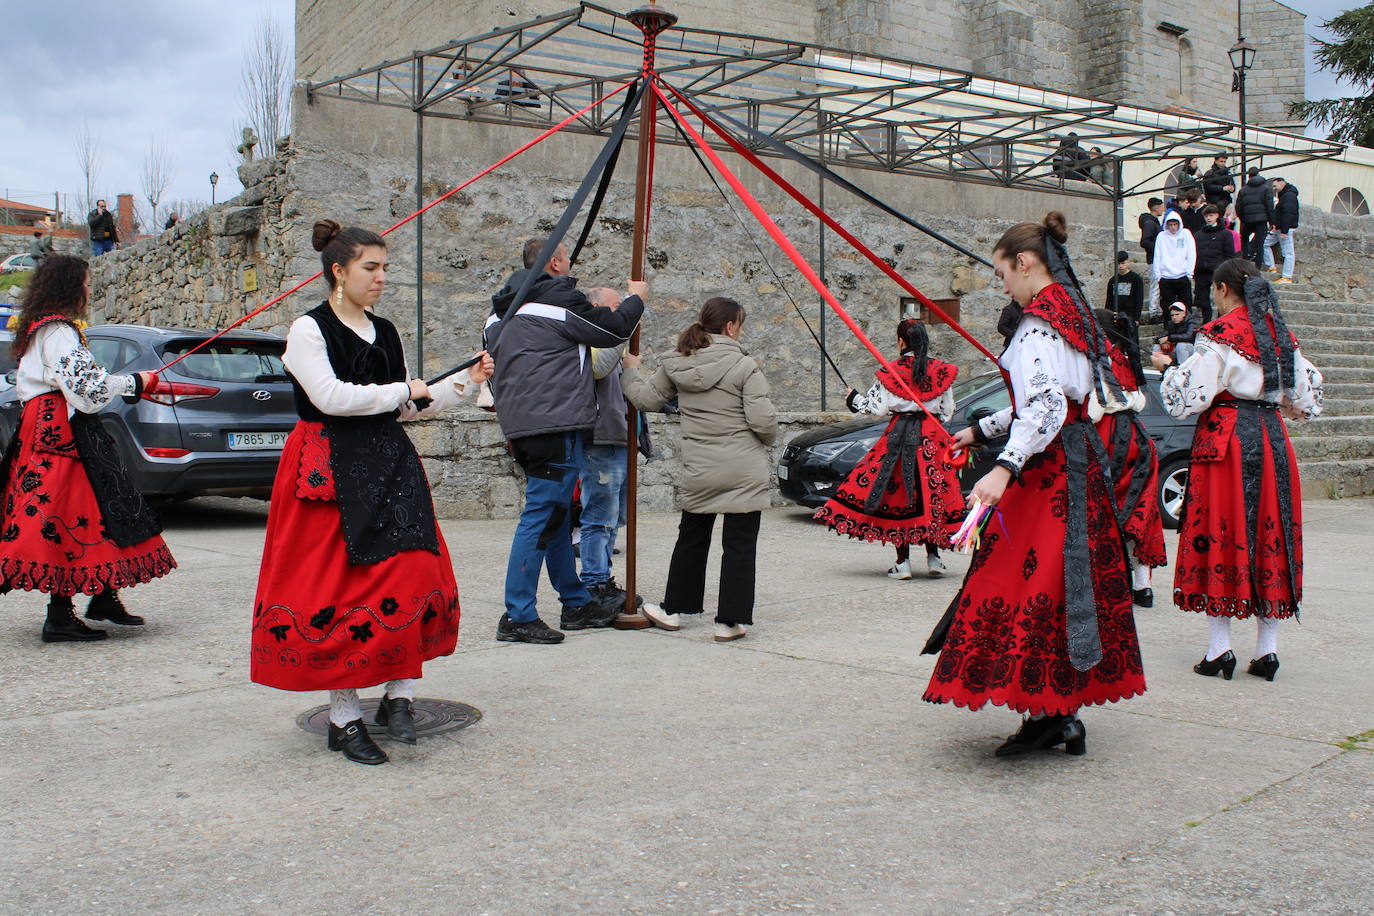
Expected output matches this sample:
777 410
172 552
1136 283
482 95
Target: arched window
1350 202
1185 69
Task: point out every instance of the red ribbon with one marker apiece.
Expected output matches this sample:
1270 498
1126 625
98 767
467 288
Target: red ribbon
429 206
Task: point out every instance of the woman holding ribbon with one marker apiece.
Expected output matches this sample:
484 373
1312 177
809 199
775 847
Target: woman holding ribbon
1240 544
356 587
1043 621
905 491
71 520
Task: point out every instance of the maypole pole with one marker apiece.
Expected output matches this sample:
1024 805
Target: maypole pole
651 20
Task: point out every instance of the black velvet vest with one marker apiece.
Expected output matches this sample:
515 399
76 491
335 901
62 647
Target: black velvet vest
384 501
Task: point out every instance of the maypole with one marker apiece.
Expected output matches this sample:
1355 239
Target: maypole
651 20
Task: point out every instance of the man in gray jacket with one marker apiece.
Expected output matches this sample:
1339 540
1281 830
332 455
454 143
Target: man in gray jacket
546 403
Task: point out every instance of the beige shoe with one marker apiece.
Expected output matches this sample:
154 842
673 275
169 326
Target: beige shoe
729 632
661 618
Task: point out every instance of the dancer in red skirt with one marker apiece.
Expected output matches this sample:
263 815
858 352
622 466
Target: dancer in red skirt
905 490
73 522
1240 544
1132 458
356 587
1043 621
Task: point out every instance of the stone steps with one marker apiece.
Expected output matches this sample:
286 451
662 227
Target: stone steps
1347 407
1340 375
1314 333
1357 425
1328 319
1335 479
1324 351
1329 448
1338 390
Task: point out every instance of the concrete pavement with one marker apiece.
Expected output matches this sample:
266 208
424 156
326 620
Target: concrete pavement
653 773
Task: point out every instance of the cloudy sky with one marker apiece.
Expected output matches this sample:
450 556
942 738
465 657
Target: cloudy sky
169 71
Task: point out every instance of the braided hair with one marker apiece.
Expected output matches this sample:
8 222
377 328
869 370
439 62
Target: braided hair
916 341
1243 278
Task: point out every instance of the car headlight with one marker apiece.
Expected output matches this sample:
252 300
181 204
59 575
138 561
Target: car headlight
850 450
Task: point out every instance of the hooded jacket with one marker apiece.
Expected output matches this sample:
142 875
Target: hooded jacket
1214 245
1175 255
728 422
543 381
1255 202
1149 231
1286 210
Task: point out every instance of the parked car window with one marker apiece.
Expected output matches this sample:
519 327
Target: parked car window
995 399
232 361
111 353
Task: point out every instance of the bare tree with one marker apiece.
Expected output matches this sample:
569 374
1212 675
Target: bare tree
87 146
265 95
156 175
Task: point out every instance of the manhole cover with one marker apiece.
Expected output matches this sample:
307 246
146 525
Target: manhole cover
432 717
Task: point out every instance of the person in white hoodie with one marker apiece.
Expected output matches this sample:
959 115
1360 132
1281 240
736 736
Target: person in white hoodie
1175 260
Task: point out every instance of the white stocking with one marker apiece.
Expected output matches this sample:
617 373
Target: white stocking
401 689
1219 629
1140 576
344 707
1267 639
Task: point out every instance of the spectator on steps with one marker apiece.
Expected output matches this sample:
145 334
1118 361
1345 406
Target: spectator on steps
1218 185
1149 231
1255 207
1285 221
1175 261
1215 245
1126 291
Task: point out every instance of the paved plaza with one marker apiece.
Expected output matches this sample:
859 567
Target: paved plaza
653 773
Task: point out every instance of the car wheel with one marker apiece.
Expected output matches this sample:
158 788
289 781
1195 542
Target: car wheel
1173 488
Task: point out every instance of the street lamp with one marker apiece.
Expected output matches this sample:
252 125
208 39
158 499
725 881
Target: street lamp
214 176
1242 56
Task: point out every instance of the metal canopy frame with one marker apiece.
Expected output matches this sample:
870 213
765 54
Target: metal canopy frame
834 106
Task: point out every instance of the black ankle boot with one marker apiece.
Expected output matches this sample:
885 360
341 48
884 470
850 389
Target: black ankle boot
107 606
398 715
62 625
357 745
1044 734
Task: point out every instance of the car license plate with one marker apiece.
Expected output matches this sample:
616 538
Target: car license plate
782 472
263 440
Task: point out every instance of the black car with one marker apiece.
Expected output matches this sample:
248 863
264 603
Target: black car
217 421
815 462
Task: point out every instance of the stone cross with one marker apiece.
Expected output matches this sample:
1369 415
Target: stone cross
250 140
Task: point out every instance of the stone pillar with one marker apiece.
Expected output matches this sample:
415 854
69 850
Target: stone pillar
124 217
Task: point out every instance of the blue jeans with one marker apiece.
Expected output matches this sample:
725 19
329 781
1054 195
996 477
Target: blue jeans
1285 243
603 508
99 248
544 538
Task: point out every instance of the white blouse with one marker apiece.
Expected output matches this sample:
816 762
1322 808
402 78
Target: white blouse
1045 371
56 361
880 402
308 362
1215 367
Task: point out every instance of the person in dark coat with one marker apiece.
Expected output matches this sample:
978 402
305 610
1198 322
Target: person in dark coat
1218 185
1150 227
1285 221
1126 291
102 225
1255 210
1190 209
1180 331
1215 244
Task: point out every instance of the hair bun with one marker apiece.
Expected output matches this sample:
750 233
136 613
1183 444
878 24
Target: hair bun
324 232
1056 226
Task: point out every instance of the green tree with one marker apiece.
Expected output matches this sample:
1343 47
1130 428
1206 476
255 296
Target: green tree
1352 58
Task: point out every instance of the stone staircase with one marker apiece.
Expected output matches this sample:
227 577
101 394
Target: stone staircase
1335 451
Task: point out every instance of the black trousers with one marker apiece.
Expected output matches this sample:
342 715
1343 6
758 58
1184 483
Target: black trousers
1202 294
1179 289
686 591
1252 241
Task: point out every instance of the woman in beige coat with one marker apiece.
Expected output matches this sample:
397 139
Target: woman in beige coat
727 425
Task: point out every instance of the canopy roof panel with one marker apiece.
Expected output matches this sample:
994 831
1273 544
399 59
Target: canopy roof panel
832 105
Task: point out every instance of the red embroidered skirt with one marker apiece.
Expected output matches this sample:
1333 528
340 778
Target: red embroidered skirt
1144 527
929 516
52 536
1214 574
320 623
1006 643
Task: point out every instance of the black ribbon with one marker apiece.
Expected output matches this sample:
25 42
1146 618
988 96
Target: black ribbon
1080 601
1259 431
811 165
1104 380
902 440
1278 368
